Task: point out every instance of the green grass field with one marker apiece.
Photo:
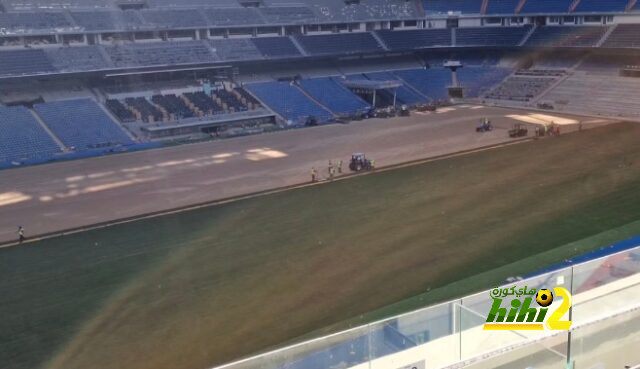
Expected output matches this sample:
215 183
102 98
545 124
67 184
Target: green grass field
203 287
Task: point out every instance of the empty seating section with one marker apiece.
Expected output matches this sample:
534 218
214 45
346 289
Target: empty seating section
607 94
69 59
20 62
143 109
432 82
445 6
17 5
22 137
490 36
204 103
236 49
415 39
333 95
502 6
404 94
230 101
288 101
81 124
178 18
190 3
276 47
546 6
589 6
233 16
625 35
120 111
478 80
288 14
518 88
107 21
159 53
248 97
174 105
33 21
348 43
577 36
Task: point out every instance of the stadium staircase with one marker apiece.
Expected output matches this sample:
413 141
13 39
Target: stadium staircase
305 93
380 41
574 5
631 5
453 37
298 46
528 35
49 131
520 6
606 35
116 121
484 6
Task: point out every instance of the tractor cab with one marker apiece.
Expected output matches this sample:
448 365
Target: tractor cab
359 162
485 126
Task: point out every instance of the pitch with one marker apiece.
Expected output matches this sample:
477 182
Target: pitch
199 288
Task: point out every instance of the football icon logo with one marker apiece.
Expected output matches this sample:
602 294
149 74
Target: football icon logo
544 297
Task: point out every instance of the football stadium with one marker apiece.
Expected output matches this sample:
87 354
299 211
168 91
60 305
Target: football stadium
327 184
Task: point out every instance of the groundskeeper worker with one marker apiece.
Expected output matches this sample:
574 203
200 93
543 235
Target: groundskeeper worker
314 174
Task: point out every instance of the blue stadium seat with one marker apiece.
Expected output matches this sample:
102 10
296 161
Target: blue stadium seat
346 43
598 6
546 6
173 18
334 95
276 47
236 49
107 20
478 80
288 101
233 16
404 94
576 36
490 36
76 58
432 82
81 124
21 62
444 6
29 21
415 39
22 137
502 6
160 53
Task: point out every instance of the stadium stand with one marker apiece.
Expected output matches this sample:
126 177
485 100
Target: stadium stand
30 22
478 80
231 101
592 6
624 36
233 16
457 6
143 109
19 5
415 39
204 103
20 62
169 18
22 137
288 14
521 88
607 94
236 49
173 105
81 124
348 43
120 111
430 82
276 47
160 53
546 6
107 20
490 36
502 6
404 95
77 58
333 95
566 36
288 101
191 3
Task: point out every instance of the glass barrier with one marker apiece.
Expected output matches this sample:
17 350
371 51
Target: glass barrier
605 293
